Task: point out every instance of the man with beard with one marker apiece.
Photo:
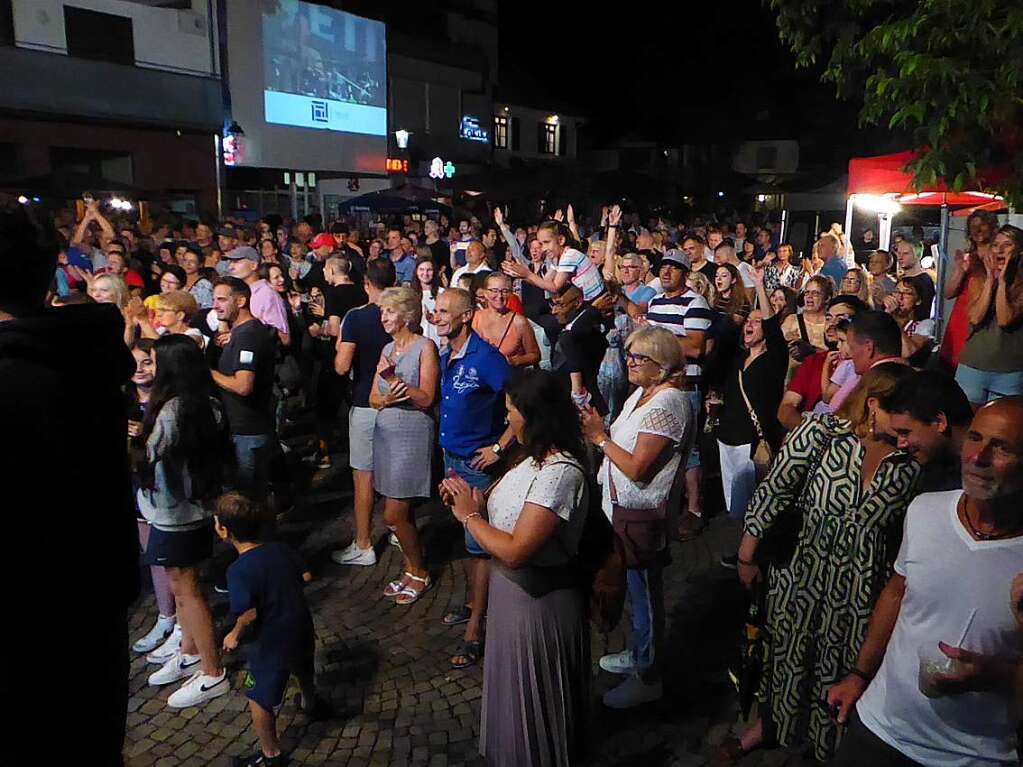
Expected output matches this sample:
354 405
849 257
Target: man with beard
804 391
960 550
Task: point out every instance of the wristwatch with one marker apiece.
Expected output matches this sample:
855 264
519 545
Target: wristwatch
602 444
496 447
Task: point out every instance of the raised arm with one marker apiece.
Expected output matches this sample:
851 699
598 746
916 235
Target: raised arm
961 264
1007 313
614 217
978 311
509 236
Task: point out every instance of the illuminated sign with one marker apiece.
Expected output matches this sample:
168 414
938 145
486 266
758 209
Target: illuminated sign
440 169
394 165
233 148
471 130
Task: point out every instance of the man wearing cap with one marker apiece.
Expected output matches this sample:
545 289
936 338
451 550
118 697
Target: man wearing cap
265 305
309 275
688 316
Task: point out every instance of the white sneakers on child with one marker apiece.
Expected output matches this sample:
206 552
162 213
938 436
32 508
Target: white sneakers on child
170 648
619 662
178 667
200 688
353 555
157 635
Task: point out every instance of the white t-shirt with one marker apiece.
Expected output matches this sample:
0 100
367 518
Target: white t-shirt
429 307
467 270
948 575
746 271
558 485
668 414
923 328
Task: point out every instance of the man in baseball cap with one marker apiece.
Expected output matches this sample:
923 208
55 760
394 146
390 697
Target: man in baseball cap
265 304
321 246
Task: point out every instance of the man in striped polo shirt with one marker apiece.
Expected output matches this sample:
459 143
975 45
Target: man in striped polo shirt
688 316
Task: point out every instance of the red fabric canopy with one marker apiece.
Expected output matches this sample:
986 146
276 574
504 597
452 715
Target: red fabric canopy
885 174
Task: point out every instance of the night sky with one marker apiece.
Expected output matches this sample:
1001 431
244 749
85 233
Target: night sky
674 73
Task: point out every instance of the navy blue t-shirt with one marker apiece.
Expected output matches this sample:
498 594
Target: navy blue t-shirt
362 327
269 578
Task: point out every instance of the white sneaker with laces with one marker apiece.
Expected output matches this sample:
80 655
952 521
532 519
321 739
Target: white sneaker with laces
157 635
619 662
633 692
178 667
168 649
353 555
199 689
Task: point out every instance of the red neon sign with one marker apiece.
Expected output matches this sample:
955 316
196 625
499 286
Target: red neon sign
395 165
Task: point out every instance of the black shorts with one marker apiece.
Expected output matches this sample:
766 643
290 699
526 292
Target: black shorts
265 685
180 549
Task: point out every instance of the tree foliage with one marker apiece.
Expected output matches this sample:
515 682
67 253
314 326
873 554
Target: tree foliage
947 73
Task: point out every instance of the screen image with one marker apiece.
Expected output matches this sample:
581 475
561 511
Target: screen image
324 69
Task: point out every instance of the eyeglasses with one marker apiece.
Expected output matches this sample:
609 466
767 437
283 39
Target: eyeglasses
637 359
817 293
499 291
836 317
909 293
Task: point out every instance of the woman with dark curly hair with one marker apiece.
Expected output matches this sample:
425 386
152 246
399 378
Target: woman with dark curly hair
537 667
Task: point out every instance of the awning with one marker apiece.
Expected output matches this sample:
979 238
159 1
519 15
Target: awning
886 175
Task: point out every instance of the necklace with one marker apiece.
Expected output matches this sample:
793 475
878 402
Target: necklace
980 535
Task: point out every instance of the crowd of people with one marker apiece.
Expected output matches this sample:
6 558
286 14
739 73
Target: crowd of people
538 380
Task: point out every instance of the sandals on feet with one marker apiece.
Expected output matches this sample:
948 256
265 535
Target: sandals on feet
469 654
409 593
396 586
459 616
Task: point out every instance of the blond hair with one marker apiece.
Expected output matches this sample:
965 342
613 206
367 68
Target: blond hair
405 301
876 383
660 345
178 301
117 286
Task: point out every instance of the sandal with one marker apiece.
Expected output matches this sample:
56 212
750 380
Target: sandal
469 655
395 587
459 616
409 595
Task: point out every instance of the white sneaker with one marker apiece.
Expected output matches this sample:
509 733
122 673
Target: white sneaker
633 692
157 635
168 649
619 662
199 689
178 667
353 555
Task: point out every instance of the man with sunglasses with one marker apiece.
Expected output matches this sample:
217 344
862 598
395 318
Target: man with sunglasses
804 391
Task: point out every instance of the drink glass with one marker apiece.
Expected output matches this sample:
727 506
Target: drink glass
933 663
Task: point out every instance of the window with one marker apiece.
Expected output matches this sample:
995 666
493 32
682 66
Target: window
110 165
100 36
548 139
500 132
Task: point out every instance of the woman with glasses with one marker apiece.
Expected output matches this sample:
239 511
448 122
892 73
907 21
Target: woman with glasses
510 333
804 332
643 454
917 335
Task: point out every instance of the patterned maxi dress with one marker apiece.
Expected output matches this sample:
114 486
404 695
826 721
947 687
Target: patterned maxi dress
818 605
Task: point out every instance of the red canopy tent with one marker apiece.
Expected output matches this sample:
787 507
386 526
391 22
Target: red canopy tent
883 184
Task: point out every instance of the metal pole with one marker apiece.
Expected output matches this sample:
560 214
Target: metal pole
848 219
784 224
218 162
293 192
939 288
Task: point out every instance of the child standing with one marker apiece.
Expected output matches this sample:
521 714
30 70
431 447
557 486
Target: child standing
265 585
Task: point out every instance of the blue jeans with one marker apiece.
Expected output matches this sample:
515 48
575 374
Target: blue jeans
474 478
983 386
252 456
696 400
646 600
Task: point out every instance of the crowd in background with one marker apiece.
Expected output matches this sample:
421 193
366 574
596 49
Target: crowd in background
539 377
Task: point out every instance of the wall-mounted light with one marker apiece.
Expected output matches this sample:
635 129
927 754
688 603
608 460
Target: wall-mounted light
552 119
402 136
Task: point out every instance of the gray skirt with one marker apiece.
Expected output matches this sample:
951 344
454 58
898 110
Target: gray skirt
536 676
402 453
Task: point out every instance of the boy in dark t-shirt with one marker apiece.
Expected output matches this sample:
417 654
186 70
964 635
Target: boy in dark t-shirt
268 604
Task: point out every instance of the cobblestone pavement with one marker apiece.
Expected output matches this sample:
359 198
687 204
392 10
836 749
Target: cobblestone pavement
385 667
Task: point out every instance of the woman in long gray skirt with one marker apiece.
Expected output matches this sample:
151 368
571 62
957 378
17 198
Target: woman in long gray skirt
404 391
536 673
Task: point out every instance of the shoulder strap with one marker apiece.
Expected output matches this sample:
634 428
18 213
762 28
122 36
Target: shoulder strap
803 332
749 407
507 327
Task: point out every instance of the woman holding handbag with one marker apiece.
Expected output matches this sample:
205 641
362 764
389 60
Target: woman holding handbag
644 454
748 432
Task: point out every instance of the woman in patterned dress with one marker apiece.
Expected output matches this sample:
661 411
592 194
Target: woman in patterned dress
848 489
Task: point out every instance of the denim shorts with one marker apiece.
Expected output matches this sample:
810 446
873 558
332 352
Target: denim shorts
474 478
983 386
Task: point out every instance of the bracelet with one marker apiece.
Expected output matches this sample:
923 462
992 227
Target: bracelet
465 522
868 678
745 562
602 444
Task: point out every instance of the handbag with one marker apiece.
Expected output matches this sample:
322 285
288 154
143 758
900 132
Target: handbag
763 453
643 532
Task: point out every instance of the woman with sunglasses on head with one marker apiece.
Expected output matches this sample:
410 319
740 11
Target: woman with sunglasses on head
643 453
502 328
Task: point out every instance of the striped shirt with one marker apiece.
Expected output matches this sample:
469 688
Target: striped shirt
585 275
689 311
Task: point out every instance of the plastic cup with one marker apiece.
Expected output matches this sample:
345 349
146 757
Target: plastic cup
933 663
